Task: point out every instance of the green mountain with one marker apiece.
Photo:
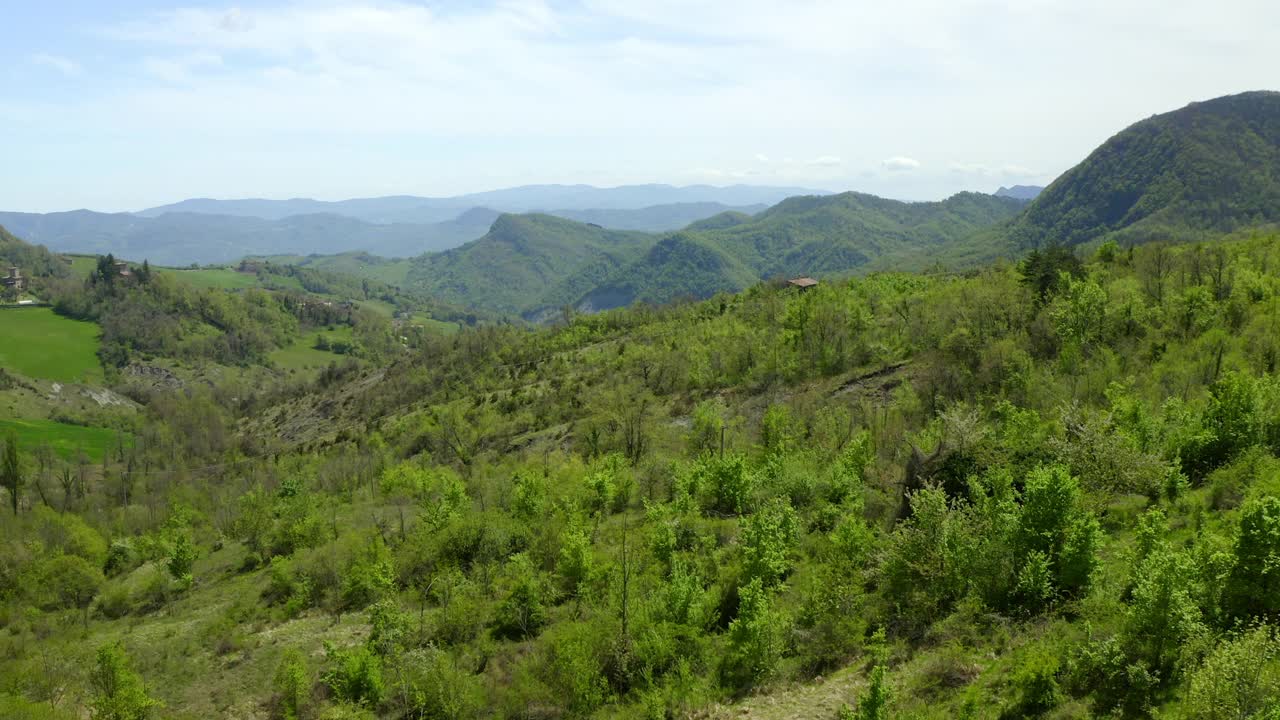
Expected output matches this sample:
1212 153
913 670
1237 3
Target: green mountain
828 235
1210 166
528 263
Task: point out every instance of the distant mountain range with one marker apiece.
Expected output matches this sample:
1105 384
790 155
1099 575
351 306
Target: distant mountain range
1211 167
1208 168
1020 192
534 263
181 238
552 199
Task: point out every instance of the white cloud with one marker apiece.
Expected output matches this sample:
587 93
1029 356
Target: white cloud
66 66
515 91
900 164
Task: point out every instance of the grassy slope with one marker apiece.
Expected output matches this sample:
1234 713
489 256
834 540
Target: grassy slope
303 355
66 439
40 344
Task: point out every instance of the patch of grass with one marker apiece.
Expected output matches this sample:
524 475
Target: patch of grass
303 355
38 343
437 326
82 265
65 439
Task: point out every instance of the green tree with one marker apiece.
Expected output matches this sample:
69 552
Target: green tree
1057 531
1253 588
355 676
182 558
118 691
523 612
755 639
1044 271
11 470
874 705
768 538
291 683
1239 679
71 582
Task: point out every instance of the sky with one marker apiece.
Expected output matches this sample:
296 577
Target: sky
124 105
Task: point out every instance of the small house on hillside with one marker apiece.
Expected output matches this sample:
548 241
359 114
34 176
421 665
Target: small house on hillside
804 283
122 269
14 279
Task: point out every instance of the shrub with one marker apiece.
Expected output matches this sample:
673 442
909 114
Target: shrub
755 639
371 576
292 684
1036 684
182 558
355 675
1240 679
1253 588
523 612
1055 523
575 563
768 538
575 670
727 481
436 688
118 691
462 612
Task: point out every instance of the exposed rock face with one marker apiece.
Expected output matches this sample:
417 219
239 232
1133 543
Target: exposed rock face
156 377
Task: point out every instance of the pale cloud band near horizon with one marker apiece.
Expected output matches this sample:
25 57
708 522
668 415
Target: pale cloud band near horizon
917 99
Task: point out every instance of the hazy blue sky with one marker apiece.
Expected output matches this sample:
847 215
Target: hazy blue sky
127 104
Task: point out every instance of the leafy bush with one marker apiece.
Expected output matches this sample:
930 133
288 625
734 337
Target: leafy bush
1253 588
292 684
118 691
355 675
728 482
768 538
369 577
755 639
436 687
1239 679
523 611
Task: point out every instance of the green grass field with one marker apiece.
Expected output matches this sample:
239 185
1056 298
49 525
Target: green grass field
302 354
443 327
37 343
65 439
82 265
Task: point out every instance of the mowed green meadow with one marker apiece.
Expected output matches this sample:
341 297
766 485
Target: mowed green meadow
38 343
66 440
303 355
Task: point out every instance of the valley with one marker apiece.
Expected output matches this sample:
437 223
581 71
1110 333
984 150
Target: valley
1007 455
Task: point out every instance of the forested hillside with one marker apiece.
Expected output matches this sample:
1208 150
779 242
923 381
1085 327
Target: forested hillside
1211 166
823 236
536 264
527 263
1042 488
